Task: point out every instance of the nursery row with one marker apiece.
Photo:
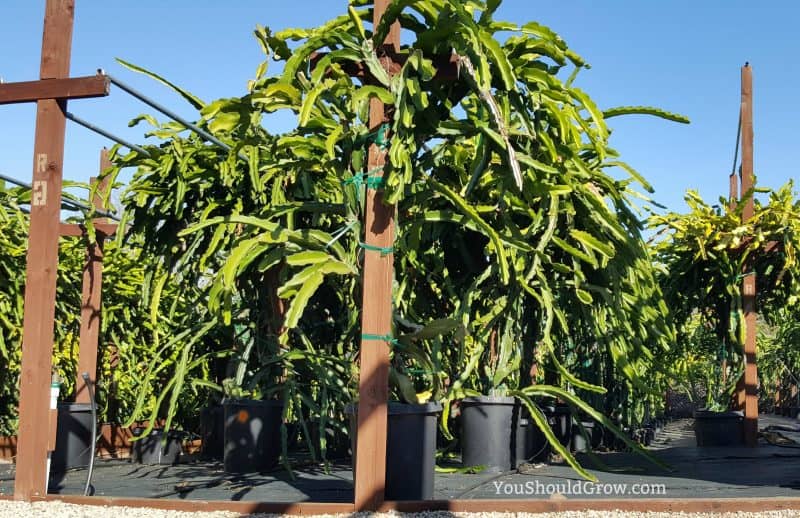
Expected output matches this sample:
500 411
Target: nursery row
521 273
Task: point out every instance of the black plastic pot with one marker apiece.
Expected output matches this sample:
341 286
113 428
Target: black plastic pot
154 450
537 448
489 433
579 443
410 449
73 437
213 432
719 428
793 412
560 420
252 435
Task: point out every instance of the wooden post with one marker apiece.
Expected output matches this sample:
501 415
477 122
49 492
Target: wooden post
376 316
42 259
91 296
748 391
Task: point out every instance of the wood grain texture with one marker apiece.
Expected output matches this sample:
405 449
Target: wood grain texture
91 297
70 88
42 259
748 390
376 315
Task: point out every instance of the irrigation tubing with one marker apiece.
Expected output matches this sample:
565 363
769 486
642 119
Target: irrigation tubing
66 201
169 113
89 387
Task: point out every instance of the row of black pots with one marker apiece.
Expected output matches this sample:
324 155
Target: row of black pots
788 411
73 441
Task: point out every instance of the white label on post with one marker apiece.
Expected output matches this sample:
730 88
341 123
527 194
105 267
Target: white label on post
39 194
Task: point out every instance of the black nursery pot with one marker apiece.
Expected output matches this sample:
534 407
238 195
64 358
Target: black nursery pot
252 435
73 437
719 428
579 443
213 431
490 426
154 450
793 412
410 449
560 420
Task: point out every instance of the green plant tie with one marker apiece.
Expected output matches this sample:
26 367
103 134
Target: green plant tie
370 179
379 136
389 339
743 275
384 250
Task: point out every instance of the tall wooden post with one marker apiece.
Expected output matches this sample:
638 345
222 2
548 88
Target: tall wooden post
42 259
91 296
748 391
376 316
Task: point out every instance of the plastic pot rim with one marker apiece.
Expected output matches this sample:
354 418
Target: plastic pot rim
710 414
397 408
490 400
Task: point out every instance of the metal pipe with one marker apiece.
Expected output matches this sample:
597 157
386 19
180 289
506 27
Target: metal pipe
169 113
89 387
100 131
74 204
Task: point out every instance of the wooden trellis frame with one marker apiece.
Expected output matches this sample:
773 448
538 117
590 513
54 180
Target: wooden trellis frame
51 94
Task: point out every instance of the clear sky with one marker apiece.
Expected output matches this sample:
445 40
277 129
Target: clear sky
683 56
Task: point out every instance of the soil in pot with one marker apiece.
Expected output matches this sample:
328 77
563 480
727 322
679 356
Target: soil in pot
719 428
213 431
252 435
410 449
154 450
73 437
489 433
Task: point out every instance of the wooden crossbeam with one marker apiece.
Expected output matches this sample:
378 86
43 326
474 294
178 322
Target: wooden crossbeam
68 88
79 229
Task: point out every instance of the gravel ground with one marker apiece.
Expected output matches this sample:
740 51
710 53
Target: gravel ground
11 509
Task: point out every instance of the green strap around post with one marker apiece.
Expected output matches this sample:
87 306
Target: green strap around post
389 339
379 136
384 250
370 179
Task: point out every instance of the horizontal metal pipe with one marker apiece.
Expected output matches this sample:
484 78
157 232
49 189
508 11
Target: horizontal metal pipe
172 115
100 131
66 201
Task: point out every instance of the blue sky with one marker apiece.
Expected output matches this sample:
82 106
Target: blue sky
683 56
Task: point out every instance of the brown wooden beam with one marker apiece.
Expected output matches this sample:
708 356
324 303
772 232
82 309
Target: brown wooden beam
748 389
91 297
42 258
69 88
376 311
510 505
79 229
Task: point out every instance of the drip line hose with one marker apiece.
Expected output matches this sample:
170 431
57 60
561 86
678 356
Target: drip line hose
88 489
